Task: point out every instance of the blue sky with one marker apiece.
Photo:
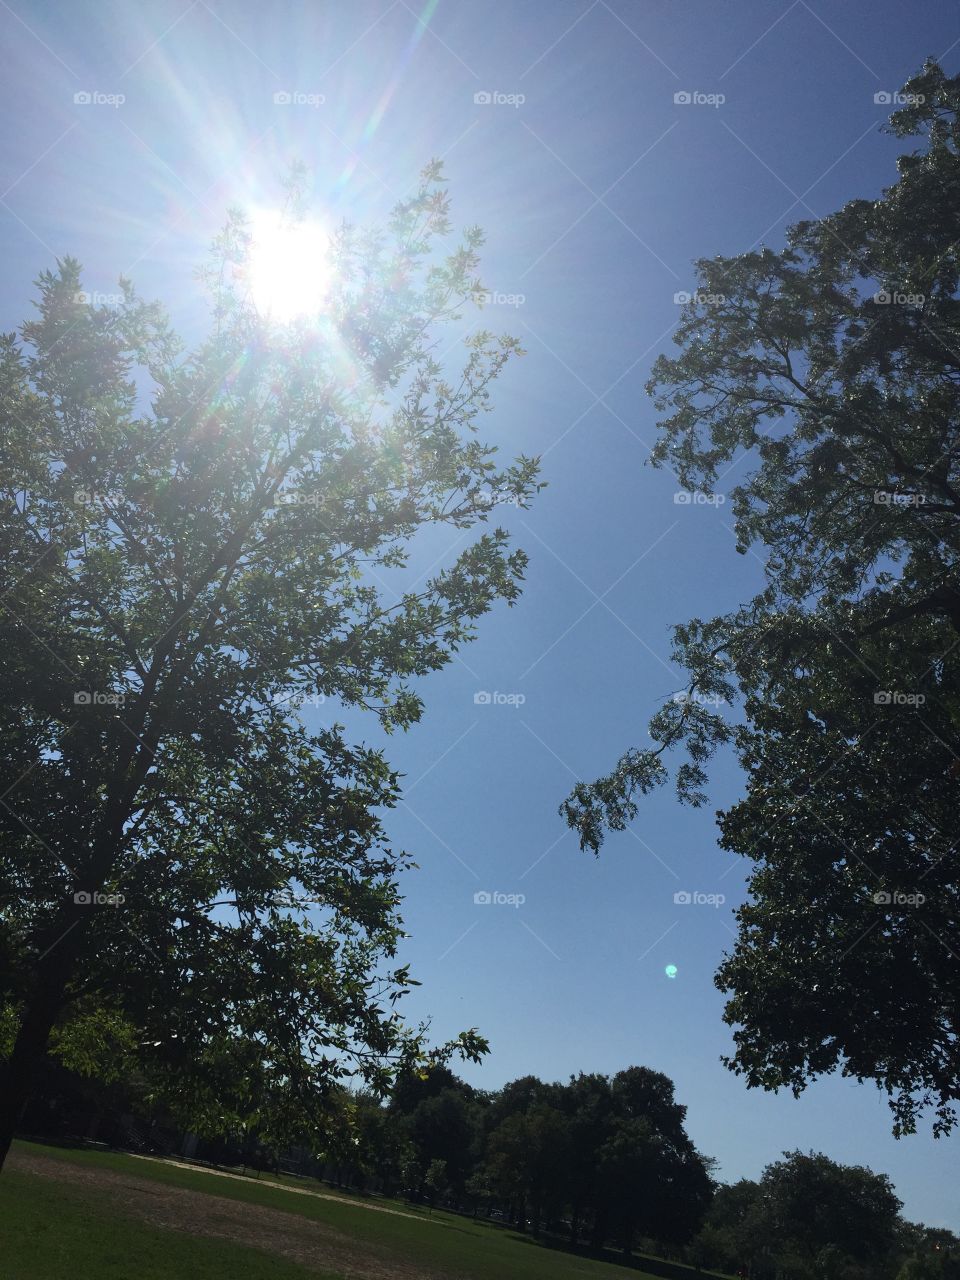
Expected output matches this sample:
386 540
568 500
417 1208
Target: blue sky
597 190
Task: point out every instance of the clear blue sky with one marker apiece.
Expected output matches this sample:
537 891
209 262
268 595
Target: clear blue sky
596 191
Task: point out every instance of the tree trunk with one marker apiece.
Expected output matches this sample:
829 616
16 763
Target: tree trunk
44 1005
20 1069
56 966
599 1233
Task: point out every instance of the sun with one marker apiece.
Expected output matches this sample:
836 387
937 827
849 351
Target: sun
289 267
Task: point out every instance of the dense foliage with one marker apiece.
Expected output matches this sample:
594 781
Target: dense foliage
193 884
809 1217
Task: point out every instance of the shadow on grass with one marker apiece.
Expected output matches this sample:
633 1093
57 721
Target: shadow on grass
635 1261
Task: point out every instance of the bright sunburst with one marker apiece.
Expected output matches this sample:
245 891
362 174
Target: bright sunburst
289 267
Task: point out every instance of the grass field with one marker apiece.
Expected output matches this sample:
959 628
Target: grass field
48 1233
91 1214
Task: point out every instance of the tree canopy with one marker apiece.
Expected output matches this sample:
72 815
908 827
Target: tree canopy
193 882
807 1216
829 371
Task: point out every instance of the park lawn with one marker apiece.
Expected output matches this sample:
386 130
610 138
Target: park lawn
53 1217
48 1231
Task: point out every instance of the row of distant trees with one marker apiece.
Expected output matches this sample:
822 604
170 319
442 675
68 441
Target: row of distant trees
596 1163
599 1159
606 1161
808 1216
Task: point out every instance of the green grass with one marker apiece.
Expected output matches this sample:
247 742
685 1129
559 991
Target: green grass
48 1231
52 1223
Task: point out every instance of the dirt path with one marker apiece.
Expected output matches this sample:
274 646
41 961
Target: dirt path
282 1186
311 1244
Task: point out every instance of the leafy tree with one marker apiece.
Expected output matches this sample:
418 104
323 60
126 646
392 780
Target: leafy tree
933 1253
506 1164
383 1146
411 1087
442 1128
610 1154
810 1204
629 1168
922 1268
590 1109
479 1190
527 1156
833 368
807 1217
731 1230
188 541
640 1093
684 1190
661 1185
435 1180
